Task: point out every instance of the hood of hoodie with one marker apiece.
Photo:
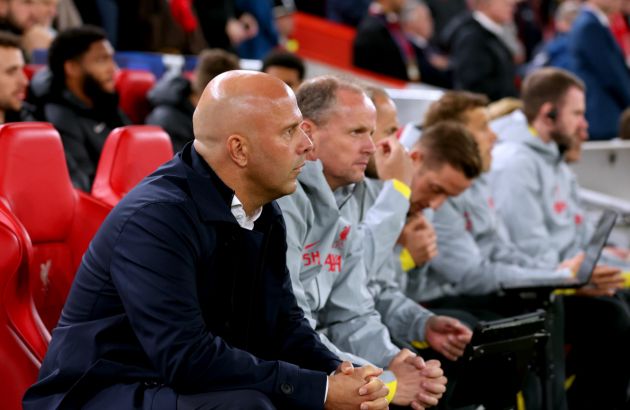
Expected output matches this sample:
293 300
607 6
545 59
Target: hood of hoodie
513 132
171 90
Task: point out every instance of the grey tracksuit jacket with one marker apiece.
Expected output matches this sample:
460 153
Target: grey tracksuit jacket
327 267
475 253
379 212
534 193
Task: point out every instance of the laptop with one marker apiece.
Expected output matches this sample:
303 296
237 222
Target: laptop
591 256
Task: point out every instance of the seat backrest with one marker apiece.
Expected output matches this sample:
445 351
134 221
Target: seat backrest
60 221
31 69
130 153
19 364
133 86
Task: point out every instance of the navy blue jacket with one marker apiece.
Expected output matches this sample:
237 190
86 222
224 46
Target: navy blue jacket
173 296
597 59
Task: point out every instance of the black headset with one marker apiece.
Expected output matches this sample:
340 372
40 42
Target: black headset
552 114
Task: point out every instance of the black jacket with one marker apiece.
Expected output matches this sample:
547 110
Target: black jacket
173 110
481 62
374 49
83 129
173 296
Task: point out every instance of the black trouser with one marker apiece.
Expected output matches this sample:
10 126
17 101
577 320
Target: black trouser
598 330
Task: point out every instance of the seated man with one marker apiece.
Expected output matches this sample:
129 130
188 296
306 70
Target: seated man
286 66
21 17
79 97
530 183
175 97
476 254
326 255
13 81
183 300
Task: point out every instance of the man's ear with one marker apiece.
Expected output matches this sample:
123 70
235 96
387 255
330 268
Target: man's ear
417 157
548 111
71 68
238 149
309 127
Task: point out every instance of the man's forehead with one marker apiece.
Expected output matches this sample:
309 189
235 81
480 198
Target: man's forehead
451 180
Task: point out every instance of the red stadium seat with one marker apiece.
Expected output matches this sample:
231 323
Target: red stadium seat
60 220
133 86
31 69
129 154
23 338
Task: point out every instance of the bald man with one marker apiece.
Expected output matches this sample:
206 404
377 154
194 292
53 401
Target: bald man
183 300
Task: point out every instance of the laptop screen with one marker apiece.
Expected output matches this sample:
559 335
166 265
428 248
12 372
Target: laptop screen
594 248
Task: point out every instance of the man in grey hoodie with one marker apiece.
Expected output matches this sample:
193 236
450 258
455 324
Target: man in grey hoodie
325 254
532 189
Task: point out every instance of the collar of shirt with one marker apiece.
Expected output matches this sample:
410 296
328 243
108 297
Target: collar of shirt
488 24
241 217
343 193
601 16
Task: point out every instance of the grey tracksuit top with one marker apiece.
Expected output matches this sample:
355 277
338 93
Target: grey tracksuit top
379 212
475 252
534 192
328 273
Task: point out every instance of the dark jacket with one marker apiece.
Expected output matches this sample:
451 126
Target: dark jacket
173 110
375 49
481 62
26 113
173 296
83 129
598 60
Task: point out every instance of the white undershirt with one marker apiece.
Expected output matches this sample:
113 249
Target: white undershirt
246 222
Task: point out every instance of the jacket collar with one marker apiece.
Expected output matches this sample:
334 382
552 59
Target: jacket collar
212 197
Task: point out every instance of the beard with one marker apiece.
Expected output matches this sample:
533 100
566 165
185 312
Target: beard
563 140
100 97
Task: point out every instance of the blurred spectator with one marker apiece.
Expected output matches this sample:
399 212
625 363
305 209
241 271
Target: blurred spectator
286 66
221 25
283 12
480 57
348 12
266 38
417 23
382 46
443 11
21 18
45 13
597 59
175 97
13 81
624 125
79 97
555 52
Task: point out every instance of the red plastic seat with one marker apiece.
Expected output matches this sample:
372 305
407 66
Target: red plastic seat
60 220
129 154
23 338
133 86
31 69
